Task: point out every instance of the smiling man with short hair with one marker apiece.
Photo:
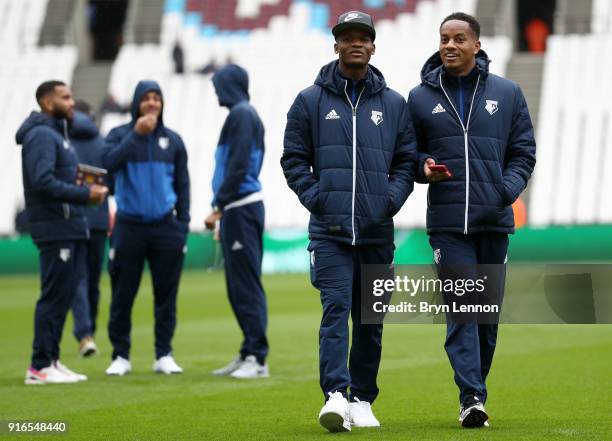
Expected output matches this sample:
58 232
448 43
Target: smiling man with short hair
478 126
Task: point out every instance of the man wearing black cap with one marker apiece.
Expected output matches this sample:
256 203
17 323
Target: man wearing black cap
350 156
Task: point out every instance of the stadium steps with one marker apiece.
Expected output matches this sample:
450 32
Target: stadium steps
54 28
90 82
144 20
573 16
526 69
495 17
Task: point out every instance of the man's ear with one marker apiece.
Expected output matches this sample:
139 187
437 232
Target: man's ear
477 47
335 48
46 103
373 48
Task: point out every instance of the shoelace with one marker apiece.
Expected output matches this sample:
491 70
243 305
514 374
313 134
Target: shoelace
361 403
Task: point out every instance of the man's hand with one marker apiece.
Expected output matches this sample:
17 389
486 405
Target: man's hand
211 220
434 176
97 193
145 124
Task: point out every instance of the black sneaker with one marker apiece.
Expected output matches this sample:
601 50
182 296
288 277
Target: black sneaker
472 413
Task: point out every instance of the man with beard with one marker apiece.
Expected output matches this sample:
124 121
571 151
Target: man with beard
57 224
349 155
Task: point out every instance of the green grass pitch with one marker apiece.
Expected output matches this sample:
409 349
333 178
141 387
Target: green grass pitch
547 382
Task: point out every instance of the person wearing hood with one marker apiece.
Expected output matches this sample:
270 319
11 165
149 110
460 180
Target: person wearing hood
151 182
54 208
477 125
238 204
89 146
349 155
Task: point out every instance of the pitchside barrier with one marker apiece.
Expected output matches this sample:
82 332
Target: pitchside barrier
285 250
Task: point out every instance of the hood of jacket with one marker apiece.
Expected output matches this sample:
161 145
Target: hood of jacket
142 88
39 119
433 67
82 126
232 85
329 78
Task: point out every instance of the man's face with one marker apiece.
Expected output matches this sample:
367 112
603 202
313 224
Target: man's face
151 103
458 46
354 48
60 103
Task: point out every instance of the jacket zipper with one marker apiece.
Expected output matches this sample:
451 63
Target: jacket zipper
354 109
465 128
66 206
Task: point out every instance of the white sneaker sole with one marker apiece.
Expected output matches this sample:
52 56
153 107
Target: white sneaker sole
160 371
334 422
250 377
117 374
377 424
34 381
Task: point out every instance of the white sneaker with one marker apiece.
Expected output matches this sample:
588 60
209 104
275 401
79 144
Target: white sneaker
87 347
250 368
228 369
120 366
64 369
167 365
335 415
48 375
362 415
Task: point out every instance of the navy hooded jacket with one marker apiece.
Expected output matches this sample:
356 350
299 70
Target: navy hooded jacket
150 171
483 134
89 147
54 203
352 169
240 149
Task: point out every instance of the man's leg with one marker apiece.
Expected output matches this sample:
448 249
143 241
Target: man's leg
456 251
57 267
242 242
80 308
331 273
165 256
126 261
366 346
492 249
95 258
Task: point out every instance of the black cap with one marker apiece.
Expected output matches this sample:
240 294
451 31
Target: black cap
354 19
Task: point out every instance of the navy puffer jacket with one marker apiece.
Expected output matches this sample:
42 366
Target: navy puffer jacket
491 153
352 169
54 203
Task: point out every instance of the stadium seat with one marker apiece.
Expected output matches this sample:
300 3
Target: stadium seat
572 183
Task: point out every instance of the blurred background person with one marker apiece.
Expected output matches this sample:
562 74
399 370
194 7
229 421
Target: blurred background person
57 222
89 146
151 184
238 204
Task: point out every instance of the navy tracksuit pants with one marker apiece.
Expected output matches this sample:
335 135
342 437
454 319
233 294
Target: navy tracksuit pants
162 245
60 265
85 303
470 346
336 272
242 243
